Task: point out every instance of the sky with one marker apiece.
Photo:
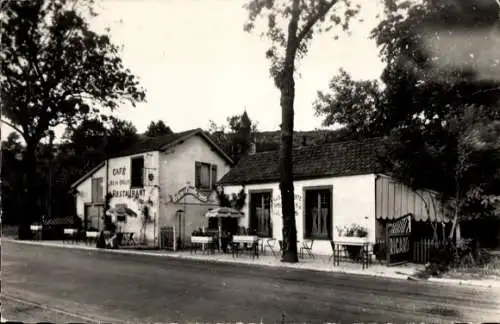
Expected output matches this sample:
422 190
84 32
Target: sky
198 64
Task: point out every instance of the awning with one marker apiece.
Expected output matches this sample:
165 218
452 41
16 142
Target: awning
224 212
121 210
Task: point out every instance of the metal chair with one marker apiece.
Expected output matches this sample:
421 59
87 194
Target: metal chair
307 246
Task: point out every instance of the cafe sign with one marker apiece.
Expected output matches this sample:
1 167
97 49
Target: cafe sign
189 191
120 184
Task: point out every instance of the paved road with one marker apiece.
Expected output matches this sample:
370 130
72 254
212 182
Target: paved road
95 286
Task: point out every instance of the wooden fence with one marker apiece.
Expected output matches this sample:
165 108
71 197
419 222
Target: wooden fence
422 250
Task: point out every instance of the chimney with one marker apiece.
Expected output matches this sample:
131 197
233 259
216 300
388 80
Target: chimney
252 148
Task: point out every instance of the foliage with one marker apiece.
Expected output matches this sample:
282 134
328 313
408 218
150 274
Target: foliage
199 232
352 103
438 100
236 201
302 20
236 137
82 148
12 178
353 230
157 129
55 70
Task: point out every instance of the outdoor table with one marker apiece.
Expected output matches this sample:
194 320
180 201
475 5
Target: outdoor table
206 243
245 239
37 230
91 236
339 247
71 233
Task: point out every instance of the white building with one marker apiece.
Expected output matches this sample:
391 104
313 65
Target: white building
335 185
173 175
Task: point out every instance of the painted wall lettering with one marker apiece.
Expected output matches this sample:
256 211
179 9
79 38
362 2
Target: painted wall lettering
128 193
119 171
119 182
191 191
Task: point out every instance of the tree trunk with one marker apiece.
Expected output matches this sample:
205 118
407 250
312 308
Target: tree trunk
286 169
458 205
29 199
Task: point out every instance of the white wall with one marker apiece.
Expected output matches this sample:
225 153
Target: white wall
353 200
177 168
84 191
119 185
172 170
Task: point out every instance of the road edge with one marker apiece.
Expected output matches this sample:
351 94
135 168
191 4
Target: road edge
445 281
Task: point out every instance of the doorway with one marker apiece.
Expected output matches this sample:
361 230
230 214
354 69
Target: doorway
93 217
181 227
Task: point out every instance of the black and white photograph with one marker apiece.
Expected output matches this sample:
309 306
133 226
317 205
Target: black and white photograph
250 161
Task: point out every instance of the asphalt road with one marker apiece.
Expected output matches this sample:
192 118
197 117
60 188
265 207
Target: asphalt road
62 285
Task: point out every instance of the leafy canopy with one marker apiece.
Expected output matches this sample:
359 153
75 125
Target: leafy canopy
307 19
157 128
55 69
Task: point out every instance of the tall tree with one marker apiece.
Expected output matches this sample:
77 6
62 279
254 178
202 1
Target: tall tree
303 19
355 104
435 94
55 70
157 129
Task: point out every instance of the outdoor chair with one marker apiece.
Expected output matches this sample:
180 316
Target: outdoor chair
307 246
128 238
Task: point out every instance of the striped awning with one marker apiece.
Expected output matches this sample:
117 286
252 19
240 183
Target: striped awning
224 212
394 200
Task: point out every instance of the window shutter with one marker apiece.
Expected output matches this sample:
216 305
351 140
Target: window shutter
214 175
100 190
197 174
94 190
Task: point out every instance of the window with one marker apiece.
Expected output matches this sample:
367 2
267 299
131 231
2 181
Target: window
205 175
137 172
97 190
318 214
260 214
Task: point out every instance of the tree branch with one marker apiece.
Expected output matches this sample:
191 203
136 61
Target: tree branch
314 19
17 129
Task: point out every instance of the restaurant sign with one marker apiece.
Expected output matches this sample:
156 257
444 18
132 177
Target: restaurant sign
189 191
131 193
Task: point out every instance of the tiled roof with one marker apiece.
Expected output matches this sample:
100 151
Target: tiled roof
318 161
148 144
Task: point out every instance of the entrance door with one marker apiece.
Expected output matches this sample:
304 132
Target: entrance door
181 226
93 217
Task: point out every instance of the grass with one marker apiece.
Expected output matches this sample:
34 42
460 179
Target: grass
491 270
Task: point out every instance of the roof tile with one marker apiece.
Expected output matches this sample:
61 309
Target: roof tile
318 161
